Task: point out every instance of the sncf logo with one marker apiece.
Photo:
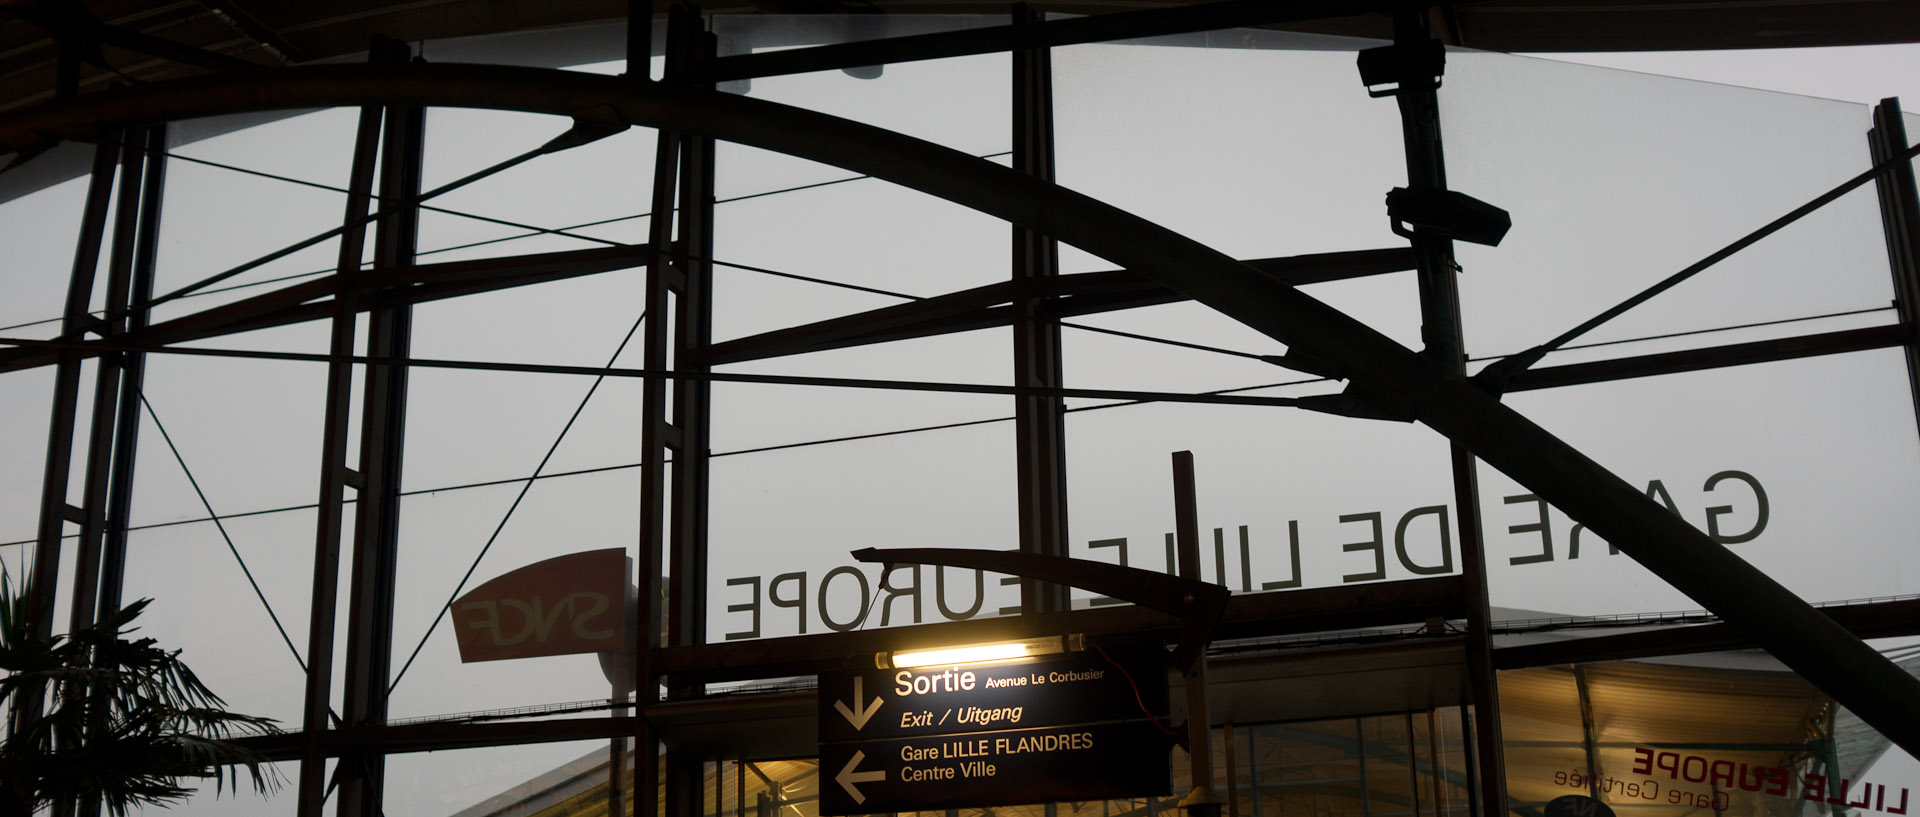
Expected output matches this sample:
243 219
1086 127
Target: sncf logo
568 604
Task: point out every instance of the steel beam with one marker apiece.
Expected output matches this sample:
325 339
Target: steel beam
109 373
671 516
1839 663
113 561
1900 220
376 534
1713 357
335 477
399 286
100 552
1062 296
1039 420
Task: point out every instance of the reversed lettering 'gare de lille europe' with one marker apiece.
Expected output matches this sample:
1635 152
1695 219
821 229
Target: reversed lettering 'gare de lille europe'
1735 509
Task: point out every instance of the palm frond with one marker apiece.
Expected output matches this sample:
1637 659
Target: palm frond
124 719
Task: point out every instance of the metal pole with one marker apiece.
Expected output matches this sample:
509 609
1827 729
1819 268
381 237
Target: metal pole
692 331
108 371
1039 421
383 418
661 537
1233 770
619 785
1900 218
1441 330
1201 800
335 478
692 396
113 562
100 557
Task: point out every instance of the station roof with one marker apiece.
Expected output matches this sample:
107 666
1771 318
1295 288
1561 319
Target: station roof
119 41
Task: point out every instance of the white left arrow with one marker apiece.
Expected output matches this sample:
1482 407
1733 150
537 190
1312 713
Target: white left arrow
866 710
847 777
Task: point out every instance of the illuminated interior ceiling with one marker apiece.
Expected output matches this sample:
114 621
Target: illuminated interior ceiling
117 41
1720 706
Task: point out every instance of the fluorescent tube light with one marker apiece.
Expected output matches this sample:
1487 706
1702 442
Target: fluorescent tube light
978 653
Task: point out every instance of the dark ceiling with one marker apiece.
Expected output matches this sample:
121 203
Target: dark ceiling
110 42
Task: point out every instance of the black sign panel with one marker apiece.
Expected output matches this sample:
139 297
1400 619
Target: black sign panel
1078 762
1072 688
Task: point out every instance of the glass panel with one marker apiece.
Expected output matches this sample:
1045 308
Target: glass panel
1209 131
1287 498
470 516
1616 180
1770 458
804 474
960 102
783 523
23 440
40 231
1726 732
261 197
600 191
252 599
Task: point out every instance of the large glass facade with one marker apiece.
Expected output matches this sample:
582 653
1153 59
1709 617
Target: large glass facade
736 367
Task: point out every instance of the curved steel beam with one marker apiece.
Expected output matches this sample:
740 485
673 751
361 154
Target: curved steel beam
1801 637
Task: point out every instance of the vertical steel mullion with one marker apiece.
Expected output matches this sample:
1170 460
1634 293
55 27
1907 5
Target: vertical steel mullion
334 475
109 415
639 40
108 369
1360 754
655 435
370 590
1900 220
638 70
1589 740
113 562
1039 420
692 332
1440 803
63 420
1440 330
43 583
1469 752
1413 767
681 488
1232 752
1253 769
651 563
1186 526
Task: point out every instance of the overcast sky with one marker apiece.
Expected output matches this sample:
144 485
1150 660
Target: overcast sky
1858 74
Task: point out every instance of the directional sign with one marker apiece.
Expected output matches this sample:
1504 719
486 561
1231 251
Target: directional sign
1056 763
1072 688
1079 726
